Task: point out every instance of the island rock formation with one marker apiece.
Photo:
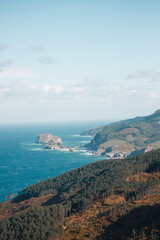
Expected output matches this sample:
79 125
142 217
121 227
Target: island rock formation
50 141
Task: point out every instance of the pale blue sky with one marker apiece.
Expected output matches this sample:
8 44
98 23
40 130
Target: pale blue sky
78 60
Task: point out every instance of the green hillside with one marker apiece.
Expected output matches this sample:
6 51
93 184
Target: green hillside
128 137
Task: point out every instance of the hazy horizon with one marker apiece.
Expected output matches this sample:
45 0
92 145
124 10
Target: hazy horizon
64 61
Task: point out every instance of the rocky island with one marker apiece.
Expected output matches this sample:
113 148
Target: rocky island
52 142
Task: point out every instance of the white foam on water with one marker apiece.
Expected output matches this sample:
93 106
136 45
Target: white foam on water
32 144
36 149
82 150
87 136
87 153
64 149
76 135
82 136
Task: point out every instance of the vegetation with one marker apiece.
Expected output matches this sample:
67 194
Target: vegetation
92 181
96 201
137 135
39 223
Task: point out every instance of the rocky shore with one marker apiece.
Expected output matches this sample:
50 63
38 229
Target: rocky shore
119 154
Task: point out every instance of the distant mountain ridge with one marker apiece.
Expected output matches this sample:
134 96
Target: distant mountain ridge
127 137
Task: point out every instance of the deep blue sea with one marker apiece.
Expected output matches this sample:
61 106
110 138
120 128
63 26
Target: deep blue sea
22 162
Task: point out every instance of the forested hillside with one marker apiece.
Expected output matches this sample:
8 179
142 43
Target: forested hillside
41 223
104 195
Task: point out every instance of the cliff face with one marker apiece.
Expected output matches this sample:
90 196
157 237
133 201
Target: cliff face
50 141
47 137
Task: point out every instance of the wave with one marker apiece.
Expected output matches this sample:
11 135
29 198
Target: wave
85 141
82 150
87 136
76 135
64 150
16 173
2 189
82 136
87 153
36 149
32 144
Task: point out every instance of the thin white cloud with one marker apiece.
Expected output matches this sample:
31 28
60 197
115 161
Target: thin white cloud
57 89
154 94
25 91
82 99
37 48
76 90
6 63
151 75
18 72
3 47
46 60
133 91
96 82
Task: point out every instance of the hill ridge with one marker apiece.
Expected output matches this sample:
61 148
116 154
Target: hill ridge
128 137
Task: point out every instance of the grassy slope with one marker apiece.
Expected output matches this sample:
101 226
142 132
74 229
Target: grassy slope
136 134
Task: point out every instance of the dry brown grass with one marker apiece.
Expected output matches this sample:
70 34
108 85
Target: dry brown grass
142 176
113 199
90 223
8 208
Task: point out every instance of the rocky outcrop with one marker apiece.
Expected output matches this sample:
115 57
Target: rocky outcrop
100 151
53 142
47 137
114 153
50 141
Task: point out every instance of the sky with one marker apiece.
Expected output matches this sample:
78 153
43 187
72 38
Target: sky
67 60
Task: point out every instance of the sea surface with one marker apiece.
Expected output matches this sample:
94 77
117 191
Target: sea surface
22 162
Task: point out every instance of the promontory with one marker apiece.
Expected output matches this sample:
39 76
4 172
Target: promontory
126 138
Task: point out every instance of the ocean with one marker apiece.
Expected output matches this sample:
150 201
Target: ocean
22 162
